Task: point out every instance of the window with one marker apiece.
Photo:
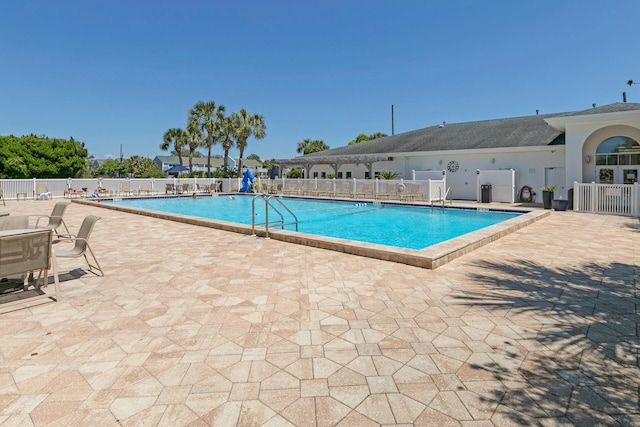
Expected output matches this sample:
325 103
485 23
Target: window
315 174
339 175
618 150
348 174
366 175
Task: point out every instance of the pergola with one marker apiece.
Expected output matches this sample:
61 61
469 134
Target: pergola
307 162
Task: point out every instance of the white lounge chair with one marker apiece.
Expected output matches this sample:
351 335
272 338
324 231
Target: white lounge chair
42 192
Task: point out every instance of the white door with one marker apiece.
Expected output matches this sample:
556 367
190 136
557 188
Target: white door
557 177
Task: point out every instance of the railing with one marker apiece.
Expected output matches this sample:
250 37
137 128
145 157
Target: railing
441 199
351 187
267 204
616 199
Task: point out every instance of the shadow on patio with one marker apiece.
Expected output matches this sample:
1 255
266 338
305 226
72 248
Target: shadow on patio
575 352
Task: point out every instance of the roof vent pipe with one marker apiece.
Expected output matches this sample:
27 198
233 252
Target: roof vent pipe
624 96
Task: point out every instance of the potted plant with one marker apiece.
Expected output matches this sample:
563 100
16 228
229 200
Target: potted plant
560 204
547 195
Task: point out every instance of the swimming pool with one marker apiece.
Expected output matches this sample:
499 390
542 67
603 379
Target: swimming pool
402 226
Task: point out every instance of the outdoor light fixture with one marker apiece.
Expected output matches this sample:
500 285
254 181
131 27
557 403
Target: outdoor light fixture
587 159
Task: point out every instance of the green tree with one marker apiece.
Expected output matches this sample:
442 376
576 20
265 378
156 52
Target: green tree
364 137
209 117
309 146
226 134
176 137
195 138
267 164
34 156
388 175
294 173
246 125
254 157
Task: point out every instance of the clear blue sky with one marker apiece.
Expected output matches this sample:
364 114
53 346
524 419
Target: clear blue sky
112 72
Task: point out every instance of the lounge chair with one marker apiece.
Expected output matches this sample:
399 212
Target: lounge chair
326 189
42 192
125 188
415 192
295 189
366 191
387 192
81 244
55 219
344 190
144 188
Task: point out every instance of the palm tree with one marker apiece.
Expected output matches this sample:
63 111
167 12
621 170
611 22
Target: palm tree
388 175
195 138
227 131
209 116
308 146
247 125
177 137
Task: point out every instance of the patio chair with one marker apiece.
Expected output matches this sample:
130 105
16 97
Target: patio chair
365 191
55 219
21 253
42 192
144 188
2 197
125 188
81 244
415 192
14 222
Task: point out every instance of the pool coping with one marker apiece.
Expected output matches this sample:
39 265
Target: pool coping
430 257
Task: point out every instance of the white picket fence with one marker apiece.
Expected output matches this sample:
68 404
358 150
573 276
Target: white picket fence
616 199
427 190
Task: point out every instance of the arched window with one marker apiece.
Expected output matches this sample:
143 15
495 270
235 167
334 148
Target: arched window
618 150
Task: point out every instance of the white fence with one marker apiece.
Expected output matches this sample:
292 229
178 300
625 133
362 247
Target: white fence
503 184
423 190
617 199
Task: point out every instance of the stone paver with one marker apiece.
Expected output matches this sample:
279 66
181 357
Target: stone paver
196 326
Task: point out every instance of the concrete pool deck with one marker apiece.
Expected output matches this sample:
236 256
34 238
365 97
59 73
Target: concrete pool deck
199 326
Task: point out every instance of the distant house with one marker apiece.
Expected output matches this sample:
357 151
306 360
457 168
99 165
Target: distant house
600 144
200 163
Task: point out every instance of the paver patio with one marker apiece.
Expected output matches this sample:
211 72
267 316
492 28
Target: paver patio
197 326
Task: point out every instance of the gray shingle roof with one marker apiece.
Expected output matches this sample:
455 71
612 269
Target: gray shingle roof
512 132
527 131
616 107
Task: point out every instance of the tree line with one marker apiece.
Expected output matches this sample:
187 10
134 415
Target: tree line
208 125
32 156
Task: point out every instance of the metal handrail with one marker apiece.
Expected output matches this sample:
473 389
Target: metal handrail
267 203
443 200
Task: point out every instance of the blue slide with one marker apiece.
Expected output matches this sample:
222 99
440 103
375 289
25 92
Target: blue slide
247 180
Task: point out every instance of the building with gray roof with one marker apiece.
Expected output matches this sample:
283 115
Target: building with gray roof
546 149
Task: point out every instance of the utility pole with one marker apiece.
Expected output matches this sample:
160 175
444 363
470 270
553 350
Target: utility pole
392 124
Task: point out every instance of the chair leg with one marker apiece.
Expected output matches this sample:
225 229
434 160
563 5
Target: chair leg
94 258
65 227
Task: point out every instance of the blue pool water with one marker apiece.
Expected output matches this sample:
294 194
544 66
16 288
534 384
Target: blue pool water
411 227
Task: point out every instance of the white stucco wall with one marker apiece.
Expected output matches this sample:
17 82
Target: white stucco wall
583 135
529 165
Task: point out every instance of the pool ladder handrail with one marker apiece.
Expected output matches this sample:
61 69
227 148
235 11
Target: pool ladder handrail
443 200
267 203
